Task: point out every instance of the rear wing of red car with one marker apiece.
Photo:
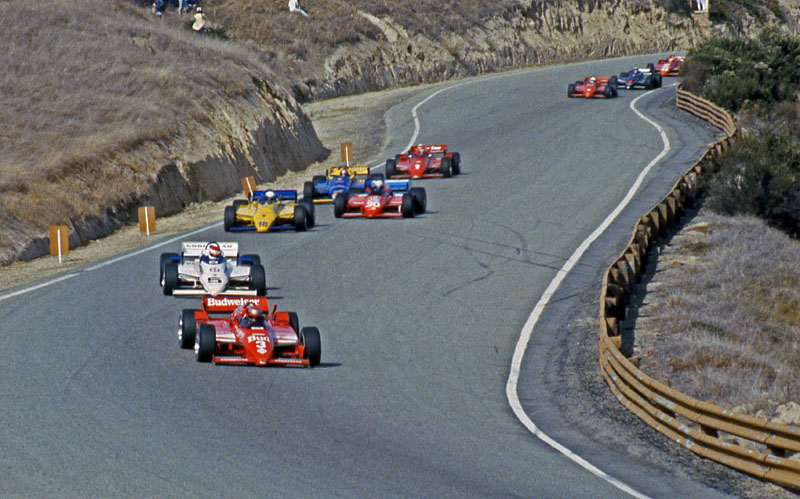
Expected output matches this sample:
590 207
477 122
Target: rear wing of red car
421 149
227 304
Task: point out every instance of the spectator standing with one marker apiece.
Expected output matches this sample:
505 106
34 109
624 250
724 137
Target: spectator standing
294 6
182 6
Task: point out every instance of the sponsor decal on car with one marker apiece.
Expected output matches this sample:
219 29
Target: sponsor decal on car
227 302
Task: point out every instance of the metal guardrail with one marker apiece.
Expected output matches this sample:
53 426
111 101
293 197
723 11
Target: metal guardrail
698 426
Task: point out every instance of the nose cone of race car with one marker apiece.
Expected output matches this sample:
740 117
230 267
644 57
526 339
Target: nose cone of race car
372 208
589 90
214 279
259 347
417 168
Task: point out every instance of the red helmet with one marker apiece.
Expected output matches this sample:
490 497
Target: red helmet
214 251
254 313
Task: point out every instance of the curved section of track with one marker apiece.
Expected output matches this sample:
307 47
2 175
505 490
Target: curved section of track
419 319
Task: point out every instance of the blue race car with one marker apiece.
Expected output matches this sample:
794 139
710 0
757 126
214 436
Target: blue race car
646 78
337 180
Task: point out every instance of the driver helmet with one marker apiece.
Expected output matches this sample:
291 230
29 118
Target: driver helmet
254 314
213 251
377 184
270 197
593 79
199 9
343 172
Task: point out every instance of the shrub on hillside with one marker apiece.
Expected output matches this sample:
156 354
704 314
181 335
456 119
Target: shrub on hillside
761 177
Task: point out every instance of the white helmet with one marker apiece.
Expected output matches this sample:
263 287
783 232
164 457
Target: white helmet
377 184
269 196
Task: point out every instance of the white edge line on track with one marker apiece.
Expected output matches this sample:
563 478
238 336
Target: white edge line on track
108 262
527 329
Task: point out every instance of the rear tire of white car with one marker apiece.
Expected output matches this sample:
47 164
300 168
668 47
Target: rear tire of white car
204 343
407 207
165 257
229 220
250 259
390 168
309 336
258 280
187 329
170 277
339 206
420 199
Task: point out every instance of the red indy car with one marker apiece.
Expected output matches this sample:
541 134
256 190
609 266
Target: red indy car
242 330
382 199
424 162
670 66
593 87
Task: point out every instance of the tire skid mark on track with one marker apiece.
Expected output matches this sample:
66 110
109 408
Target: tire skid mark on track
527 329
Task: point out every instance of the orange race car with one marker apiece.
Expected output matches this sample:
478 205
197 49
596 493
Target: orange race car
242 330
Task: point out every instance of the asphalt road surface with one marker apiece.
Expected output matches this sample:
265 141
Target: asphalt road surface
419 319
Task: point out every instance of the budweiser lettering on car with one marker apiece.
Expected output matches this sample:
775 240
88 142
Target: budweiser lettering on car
227 302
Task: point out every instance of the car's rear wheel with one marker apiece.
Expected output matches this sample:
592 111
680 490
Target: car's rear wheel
258 279
308 190
390 168
446 168
608 91
648 83
339 206
308 204
229 220
613 81
456 163
204 342
165 258
420 199
651 67
317 179
309 336
170 278
658 81
407 207
250 259
239 202
294 322
300 218
187 329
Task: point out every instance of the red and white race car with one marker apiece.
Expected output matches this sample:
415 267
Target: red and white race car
242 330
593 87
382 199
670 66
423 161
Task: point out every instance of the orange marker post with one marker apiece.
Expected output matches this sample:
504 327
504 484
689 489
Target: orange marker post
147 219
59 241
249 186
347 152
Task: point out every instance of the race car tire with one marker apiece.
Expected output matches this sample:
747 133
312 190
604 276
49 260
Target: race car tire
309 336
239 202
456 163
300 218
258 280
613 81
187 329
250 259
420 199
229 220
339 206
570 89
391 171
648 83
317 179
308 204
204 342
651 67
407 208
608 91
165 257
170 278
308 190
446 168
294 322
657 79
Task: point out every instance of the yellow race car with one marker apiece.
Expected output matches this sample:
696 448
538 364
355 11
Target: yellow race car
270 211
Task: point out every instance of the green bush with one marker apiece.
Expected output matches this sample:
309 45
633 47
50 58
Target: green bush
761 177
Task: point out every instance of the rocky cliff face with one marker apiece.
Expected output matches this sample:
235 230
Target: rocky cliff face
527 33
262 134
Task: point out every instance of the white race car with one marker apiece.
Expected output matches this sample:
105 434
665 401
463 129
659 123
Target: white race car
212 269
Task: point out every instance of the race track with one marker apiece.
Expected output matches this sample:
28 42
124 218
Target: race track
419 320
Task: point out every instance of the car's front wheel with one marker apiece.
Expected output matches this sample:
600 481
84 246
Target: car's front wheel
187 329
309 336
205 342
258 280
